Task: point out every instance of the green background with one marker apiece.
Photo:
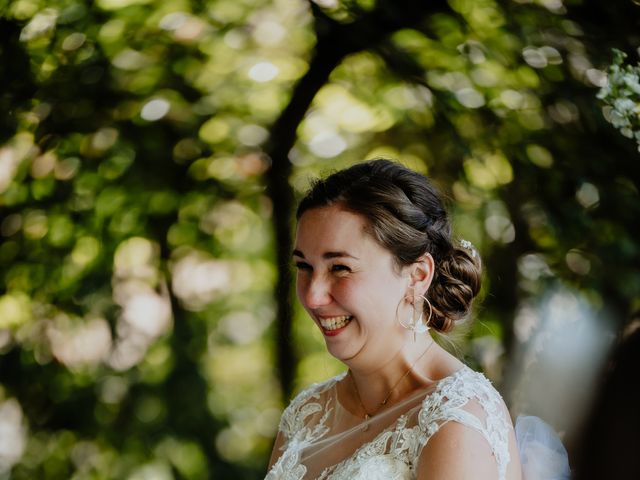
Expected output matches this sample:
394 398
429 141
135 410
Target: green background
152 154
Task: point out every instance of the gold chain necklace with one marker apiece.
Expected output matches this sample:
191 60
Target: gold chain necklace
368 415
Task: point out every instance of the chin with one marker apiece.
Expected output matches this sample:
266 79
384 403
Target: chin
344 353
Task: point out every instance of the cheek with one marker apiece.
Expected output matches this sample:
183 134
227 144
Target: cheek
385 297
345 289
358 297
383 289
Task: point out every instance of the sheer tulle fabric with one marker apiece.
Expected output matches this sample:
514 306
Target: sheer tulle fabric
323 440
542 454
348 436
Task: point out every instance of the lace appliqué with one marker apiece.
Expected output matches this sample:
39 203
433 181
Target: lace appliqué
293 426
386 457
446 404
394 453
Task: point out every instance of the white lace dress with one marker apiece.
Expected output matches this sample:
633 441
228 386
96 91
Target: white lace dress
322 440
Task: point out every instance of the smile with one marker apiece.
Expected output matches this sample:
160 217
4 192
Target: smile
334 323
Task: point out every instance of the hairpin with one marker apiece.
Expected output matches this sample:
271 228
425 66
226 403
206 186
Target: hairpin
467 245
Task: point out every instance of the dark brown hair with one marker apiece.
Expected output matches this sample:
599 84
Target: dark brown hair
406 216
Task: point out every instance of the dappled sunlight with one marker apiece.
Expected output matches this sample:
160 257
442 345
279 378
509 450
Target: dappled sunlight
139 290
155 109
534 271
186 28
15 309
539 156
405 97
12 155
136 334
13 434
252 135
263 72
158 470
42 23
85 344
35 224
269 31
198 279
146 312
498 223
135 258
129 59
235 226
488 170
578 262
541 57
588 195
327 144
348 112
43 165
233 169
244 327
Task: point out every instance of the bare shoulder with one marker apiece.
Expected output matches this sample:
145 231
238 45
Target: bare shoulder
473 435
458 451
455 452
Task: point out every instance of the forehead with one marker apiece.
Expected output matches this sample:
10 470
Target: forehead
332 228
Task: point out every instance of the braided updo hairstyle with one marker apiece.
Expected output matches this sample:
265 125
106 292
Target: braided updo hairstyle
406 216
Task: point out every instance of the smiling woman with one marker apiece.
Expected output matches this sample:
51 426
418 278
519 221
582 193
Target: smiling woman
343 274
377 268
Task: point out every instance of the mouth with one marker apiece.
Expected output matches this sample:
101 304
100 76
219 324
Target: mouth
333 325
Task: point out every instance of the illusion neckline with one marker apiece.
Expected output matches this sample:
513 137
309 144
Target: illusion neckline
418 393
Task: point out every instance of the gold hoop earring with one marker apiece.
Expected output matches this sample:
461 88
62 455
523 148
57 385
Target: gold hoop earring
428 321
416 323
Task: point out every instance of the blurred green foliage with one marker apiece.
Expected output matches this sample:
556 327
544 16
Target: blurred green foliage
137 253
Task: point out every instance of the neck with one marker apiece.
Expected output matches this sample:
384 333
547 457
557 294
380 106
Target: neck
394 378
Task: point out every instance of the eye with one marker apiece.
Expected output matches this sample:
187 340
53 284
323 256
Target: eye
340 268
303 266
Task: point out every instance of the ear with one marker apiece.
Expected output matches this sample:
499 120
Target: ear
421 274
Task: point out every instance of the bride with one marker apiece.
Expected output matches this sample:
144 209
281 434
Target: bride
377 269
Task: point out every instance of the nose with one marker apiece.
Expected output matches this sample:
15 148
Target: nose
316 292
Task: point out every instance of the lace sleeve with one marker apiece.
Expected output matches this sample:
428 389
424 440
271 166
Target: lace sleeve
297 417
302 422
469 399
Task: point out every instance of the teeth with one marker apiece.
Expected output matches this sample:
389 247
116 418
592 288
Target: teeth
335 323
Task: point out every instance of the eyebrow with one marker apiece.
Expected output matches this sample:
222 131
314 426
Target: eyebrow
327 255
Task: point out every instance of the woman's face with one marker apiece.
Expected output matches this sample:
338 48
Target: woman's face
348 284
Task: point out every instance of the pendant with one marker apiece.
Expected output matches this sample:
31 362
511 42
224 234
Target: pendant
367 417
